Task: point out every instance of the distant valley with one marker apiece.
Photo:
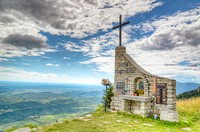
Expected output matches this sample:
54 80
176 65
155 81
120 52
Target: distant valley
38 103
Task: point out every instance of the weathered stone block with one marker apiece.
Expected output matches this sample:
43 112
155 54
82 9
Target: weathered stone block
169 115
171 82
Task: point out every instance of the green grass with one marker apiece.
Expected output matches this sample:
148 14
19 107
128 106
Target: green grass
113 122
189 114
11 129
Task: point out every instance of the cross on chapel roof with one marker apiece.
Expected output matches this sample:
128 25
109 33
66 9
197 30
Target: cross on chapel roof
120 29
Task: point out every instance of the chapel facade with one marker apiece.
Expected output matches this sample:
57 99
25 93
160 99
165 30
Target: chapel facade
140 92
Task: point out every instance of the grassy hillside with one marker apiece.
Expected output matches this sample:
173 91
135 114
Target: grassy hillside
189 114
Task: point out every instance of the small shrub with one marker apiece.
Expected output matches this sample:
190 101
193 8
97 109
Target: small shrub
11 129
66 121
31 126
77 120
98 111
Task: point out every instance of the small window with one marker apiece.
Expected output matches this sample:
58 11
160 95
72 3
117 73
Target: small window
141 85
120 85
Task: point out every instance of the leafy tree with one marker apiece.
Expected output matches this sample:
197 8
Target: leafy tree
107 96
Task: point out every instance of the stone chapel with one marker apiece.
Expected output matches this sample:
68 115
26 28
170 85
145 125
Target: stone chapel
140 92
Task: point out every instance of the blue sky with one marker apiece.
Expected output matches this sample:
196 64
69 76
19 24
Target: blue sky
73 41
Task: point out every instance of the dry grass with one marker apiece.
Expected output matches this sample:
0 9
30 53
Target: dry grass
189 106
189 112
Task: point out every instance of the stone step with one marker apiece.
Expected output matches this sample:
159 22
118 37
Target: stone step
169 115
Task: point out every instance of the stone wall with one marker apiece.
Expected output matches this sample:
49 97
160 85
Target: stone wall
128 74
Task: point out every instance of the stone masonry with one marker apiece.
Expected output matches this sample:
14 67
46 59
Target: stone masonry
157 94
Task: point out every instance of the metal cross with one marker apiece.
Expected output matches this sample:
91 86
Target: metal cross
120 29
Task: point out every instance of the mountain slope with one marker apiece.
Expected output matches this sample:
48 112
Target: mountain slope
184 87
189 94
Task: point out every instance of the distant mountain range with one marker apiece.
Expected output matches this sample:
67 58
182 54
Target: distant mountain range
180 87
184 87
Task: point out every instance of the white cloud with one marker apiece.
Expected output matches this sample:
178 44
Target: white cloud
16 74
166 63
27 64
45 57
68 17
182 28
155 53
3 59
75 47
101 49
175 39
10 51
22 21
96 46
66 58
55 65
104 64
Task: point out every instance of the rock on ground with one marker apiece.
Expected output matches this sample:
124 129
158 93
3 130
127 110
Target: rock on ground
186 129
146 124
88 115
26 129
